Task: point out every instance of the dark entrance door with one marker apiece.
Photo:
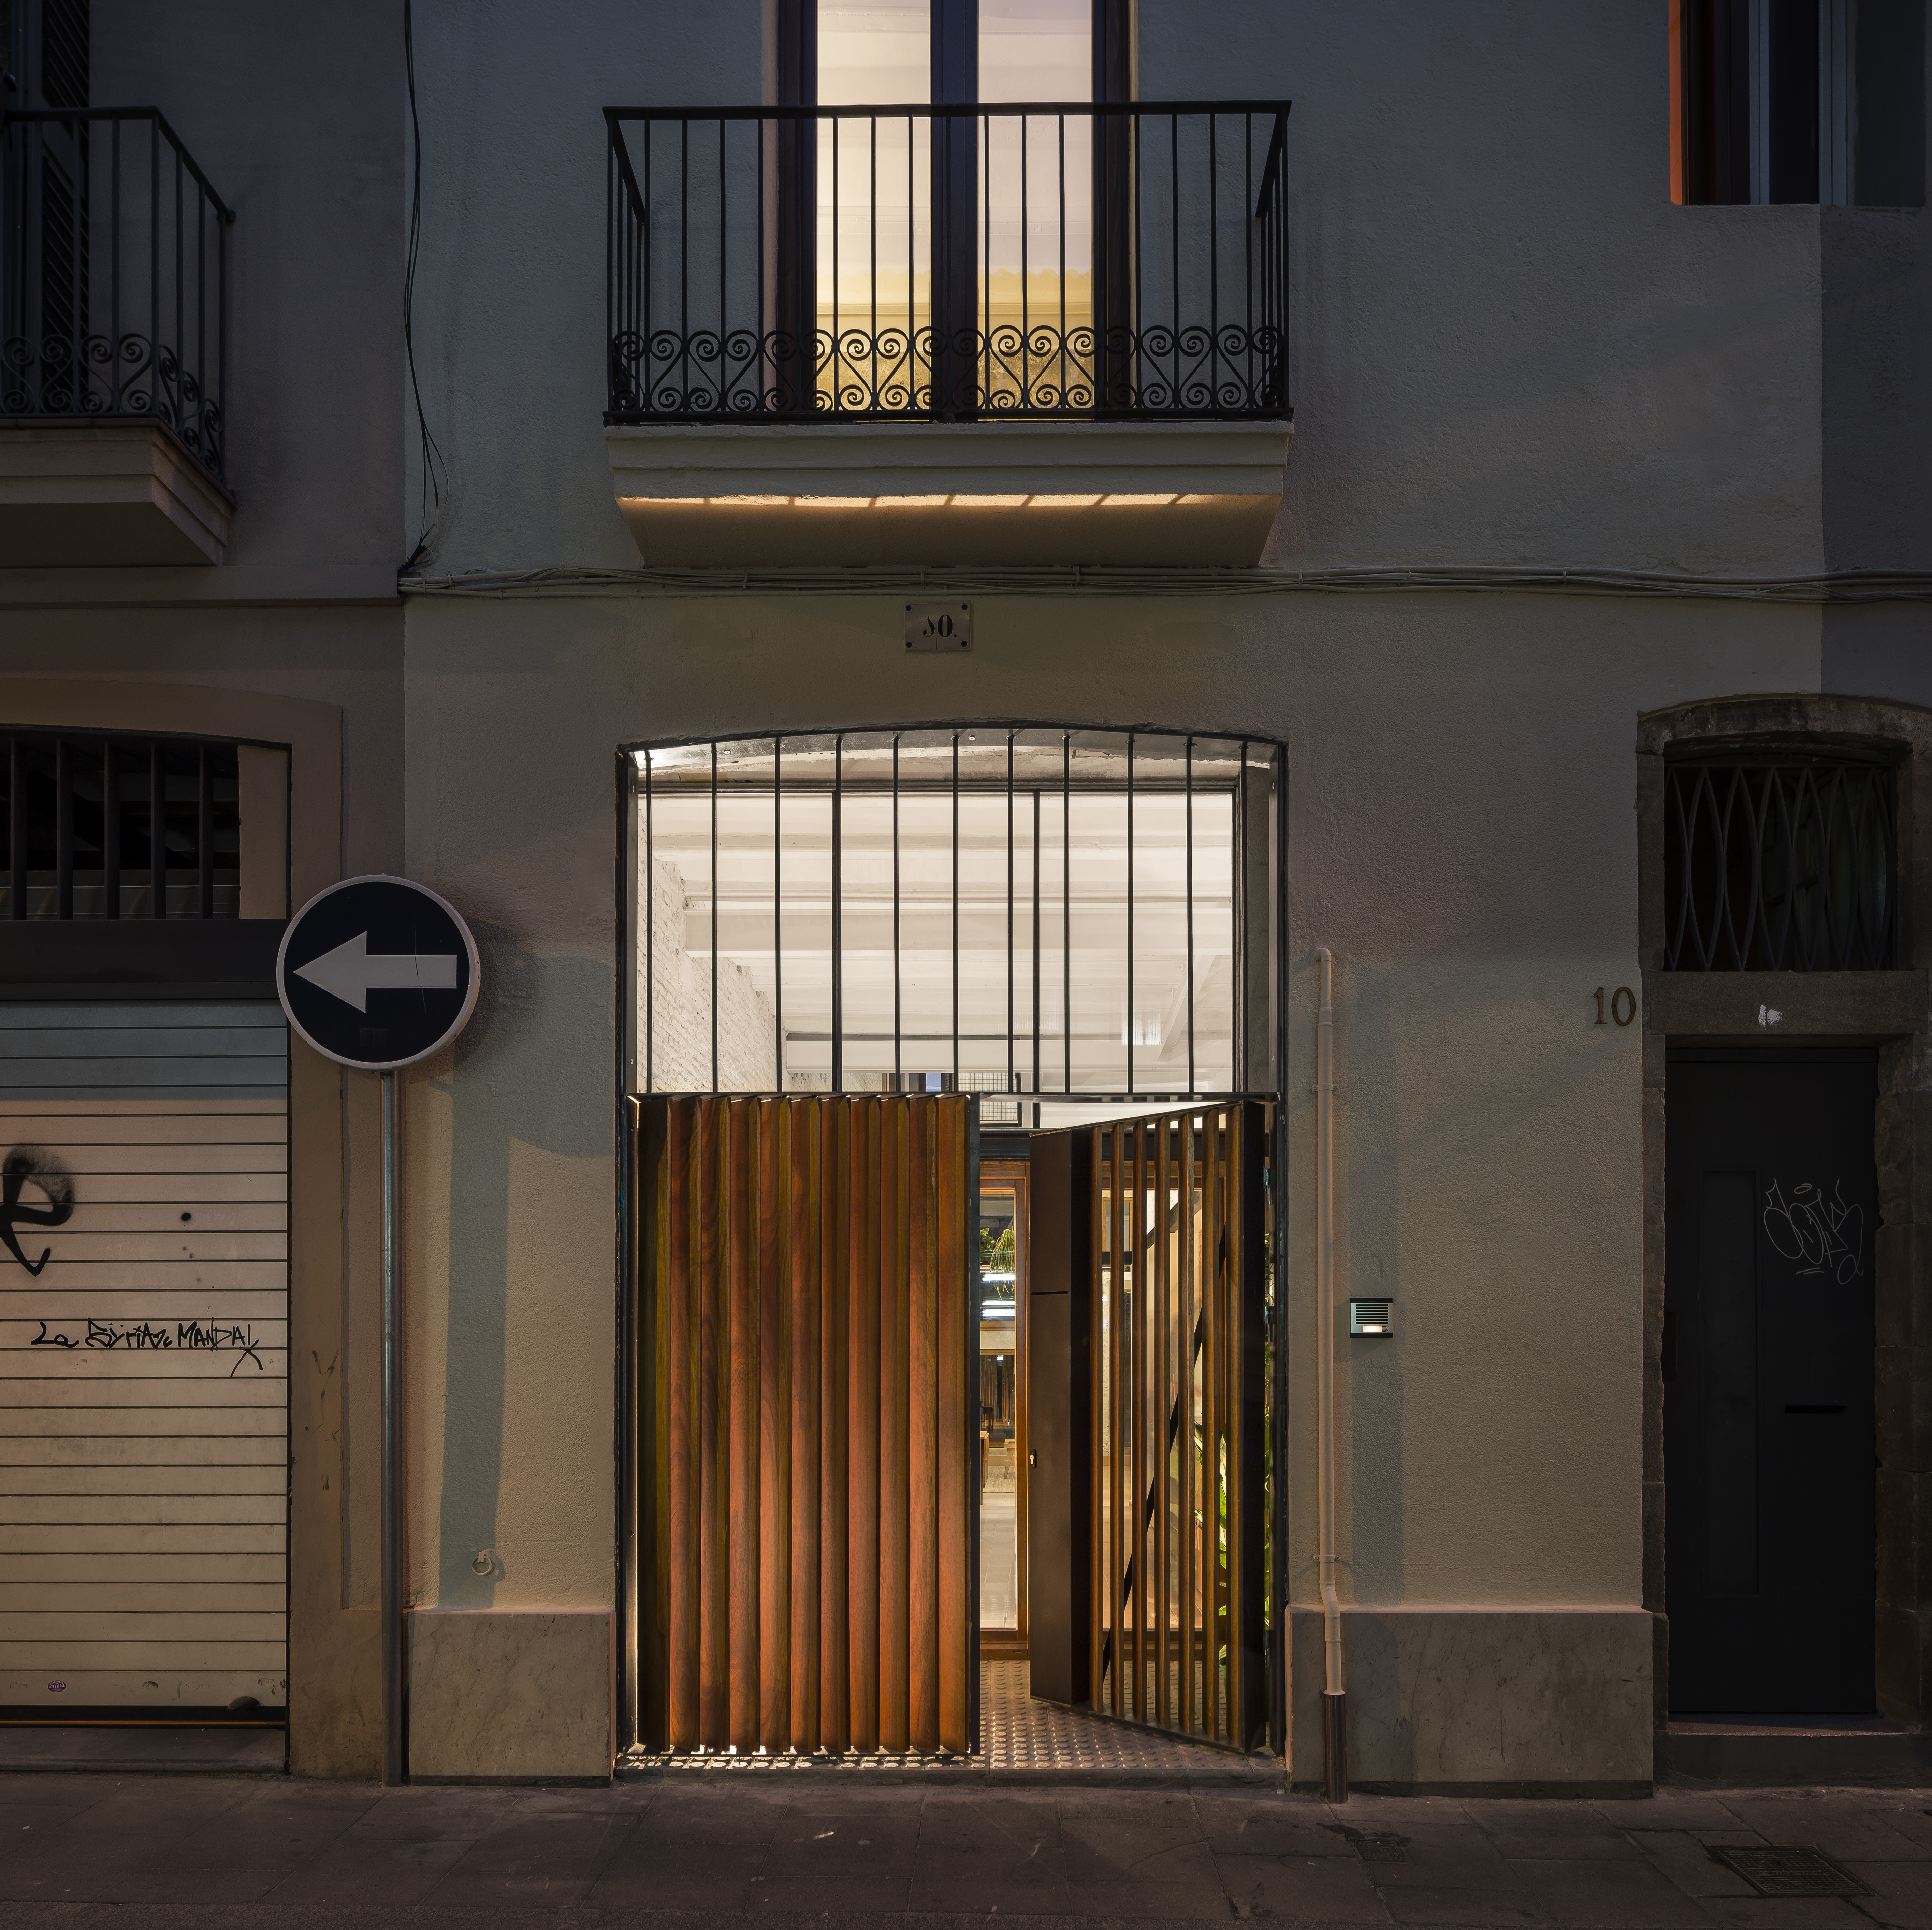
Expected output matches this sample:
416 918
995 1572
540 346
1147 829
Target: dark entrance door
1770 1209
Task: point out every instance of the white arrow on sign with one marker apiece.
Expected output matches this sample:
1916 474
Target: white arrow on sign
350 973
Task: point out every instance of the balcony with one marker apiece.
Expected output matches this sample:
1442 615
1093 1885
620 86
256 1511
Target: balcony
113 344
1040 333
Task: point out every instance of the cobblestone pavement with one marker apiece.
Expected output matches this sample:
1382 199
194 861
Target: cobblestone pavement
170 1852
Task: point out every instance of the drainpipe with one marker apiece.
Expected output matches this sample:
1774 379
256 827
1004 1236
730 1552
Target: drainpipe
1334 1698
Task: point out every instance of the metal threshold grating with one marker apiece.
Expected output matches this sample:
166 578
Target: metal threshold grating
1790 1869
1022 1740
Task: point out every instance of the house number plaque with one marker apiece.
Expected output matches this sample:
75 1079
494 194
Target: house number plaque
937 627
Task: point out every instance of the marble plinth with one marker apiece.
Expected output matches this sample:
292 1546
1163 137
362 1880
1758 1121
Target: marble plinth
499 1697
1481 1701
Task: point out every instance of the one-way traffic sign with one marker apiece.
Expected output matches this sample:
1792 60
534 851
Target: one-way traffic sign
377 973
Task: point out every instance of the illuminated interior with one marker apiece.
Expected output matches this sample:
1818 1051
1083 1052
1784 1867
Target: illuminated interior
966 921
1033 249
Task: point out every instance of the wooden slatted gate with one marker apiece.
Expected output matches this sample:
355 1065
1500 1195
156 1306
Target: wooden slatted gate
804 1338
143 1356
1178 1243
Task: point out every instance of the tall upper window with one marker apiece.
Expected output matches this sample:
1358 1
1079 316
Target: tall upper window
1021 202
1809 100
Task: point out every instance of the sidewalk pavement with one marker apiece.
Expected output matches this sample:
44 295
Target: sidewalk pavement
222 1853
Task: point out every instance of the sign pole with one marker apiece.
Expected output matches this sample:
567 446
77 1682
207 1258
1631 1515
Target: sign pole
392 1513
378 973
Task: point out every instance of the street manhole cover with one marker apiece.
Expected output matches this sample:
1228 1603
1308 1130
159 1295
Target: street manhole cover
1790 1869
1375 1846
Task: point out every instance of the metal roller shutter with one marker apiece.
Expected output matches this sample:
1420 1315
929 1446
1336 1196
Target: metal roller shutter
144 1366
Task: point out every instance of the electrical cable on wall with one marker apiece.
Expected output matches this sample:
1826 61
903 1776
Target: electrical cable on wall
434 474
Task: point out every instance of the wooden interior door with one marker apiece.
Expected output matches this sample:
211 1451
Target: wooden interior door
807 1355
1148 1282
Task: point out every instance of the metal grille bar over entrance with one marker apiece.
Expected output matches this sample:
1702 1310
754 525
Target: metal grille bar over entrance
1079 921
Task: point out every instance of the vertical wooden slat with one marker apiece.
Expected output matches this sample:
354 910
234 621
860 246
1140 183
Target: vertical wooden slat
678 1207
923 1595
802 1270
1106 1656
1223 1417
1210 1433
1102 1618
835 1595
1136 1255
904 1243
863 1525
738 1125
1184 1499
1230 1170
955 1358
1163 1405
775 1431
714 1554
1117 1366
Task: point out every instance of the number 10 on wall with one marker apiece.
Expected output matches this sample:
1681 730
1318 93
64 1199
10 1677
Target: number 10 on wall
1622 1005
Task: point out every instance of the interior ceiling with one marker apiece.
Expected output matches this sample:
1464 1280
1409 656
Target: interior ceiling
1096 866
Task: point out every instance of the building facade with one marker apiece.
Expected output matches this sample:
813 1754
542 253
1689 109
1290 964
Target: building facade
1311 725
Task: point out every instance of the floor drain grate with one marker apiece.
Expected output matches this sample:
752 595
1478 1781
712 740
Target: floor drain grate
1790 1869
1375 1846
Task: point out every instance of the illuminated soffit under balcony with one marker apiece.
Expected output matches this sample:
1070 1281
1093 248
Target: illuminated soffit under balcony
1012 492
1037 333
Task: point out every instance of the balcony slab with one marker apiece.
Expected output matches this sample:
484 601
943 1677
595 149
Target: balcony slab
89 493
947 493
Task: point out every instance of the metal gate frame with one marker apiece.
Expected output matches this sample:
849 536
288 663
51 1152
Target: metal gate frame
1270 937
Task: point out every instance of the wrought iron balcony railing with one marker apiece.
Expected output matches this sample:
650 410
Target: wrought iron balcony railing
114 275
1048 260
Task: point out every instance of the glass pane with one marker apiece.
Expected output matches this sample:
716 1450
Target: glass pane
873 51
1036 49
874 196
1036 188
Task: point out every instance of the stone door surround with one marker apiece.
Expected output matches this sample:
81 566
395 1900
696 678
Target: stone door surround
1885 1008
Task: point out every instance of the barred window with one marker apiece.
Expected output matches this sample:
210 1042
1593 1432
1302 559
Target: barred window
1786 861
1078 921
113 826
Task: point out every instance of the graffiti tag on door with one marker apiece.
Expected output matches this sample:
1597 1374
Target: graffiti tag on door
1826 1235
33 1163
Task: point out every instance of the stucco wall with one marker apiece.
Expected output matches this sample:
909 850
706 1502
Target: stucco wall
296 115
510 293
1508 346
1463 835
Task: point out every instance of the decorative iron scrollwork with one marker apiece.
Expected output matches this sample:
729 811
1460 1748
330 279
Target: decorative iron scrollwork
129 376
1785 865
1228 372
